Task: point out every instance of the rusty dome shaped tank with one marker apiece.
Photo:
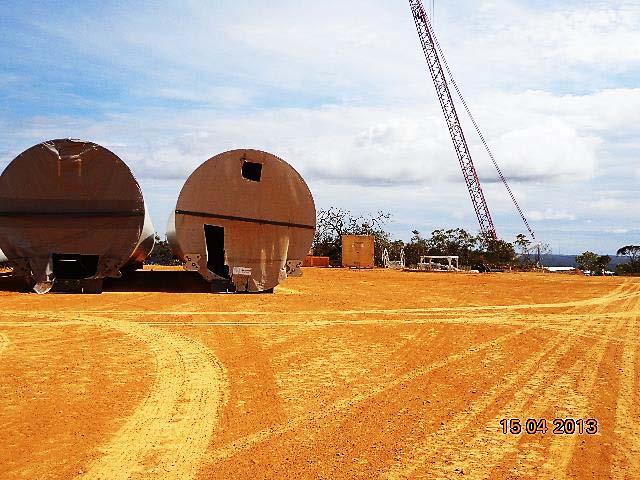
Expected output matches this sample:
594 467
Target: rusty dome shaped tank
244 220
72 211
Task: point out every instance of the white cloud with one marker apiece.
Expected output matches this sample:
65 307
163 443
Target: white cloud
616 230
550 214
514 41
546 151
607 204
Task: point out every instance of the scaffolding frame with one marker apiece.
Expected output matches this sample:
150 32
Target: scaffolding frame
426 263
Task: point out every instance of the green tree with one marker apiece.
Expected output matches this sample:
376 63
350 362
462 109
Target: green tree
594 263
631 251
527 252
162 254
500 252
455 241
633 266
471 249
523 244
416 247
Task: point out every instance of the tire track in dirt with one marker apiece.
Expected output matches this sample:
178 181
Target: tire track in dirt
483 452
4 342
576 386
305 328
344 404
441 441
249 441
168 434
514 319
261 313
626 460
448 443
511 321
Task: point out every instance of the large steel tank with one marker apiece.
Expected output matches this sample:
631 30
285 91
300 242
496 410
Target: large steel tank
71 212
244 220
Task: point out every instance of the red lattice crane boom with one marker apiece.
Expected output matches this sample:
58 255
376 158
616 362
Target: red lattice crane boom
429 45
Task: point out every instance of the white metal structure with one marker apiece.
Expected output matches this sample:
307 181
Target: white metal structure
427 263
397 264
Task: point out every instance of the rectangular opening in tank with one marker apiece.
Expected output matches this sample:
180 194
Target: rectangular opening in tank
252 171
70 266
214 237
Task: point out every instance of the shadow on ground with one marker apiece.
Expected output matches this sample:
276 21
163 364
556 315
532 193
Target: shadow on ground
10 283
138 281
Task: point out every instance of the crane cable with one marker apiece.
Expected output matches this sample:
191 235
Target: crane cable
484 142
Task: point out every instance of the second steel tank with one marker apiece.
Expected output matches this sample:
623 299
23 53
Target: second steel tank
244 220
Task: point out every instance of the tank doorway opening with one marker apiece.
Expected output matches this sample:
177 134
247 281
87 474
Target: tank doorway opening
70 266
214 238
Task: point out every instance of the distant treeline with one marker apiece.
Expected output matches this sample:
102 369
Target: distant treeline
472 249
333 223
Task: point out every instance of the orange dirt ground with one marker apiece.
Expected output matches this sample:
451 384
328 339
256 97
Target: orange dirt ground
340 374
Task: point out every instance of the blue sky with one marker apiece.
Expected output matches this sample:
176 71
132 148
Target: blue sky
340 90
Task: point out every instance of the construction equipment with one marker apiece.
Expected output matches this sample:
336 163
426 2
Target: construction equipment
435 59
